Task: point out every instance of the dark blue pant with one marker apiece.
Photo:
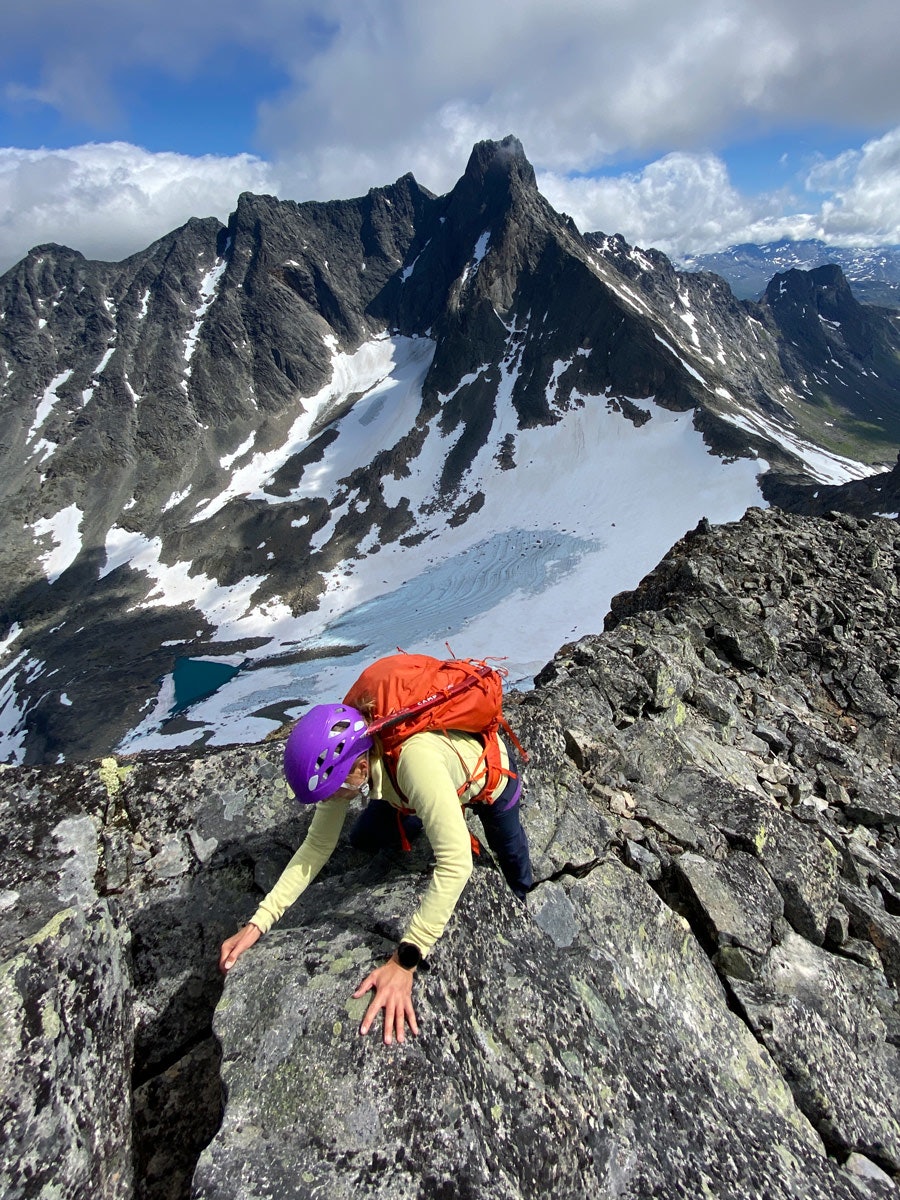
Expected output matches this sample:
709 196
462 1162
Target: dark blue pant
378 828
504 834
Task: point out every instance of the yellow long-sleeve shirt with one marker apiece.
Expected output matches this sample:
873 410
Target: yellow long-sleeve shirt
431 767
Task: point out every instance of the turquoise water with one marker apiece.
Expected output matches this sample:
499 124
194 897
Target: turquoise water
197 678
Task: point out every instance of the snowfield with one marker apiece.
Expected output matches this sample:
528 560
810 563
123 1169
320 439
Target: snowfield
592 505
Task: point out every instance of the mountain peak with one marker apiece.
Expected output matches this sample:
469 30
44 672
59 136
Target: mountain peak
825 283
505 158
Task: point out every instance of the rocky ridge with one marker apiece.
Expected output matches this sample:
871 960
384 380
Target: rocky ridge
700 996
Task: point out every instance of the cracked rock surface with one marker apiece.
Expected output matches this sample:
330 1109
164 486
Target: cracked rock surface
698 998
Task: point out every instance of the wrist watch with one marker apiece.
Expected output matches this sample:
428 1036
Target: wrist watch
409 955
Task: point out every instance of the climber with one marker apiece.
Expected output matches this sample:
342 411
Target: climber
330 759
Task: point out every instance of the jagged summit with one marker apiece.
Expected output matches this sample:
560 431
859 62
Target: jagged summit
499 176
505 158
54 248
815 304
825 288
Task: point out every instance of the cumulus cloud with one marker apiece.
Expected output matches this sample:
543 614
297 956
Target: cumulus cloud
678 201
581 81
577 81
863 205
113 199
680 204
686 203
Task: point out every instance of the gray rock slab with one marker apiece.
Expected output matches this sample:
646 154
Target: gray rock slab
801 860
540 1069
65 1059
819 1016
66 1020
735 898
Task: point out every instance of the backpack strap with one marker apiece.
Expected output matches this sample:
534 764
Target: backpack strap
488 769
508 730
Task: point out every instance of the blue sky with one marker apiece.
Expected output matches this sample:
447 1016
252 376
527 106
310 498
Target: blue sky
684 124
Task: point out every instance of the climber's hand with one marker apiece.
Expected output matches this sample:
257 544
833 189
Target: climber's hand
393 992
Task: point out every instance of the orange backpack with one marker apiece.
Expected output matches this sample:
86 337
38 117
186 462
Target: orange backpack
405 694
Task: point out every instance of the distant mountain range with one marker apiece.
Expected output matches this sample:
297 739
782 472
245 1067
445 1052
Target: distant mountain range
873 274
264 449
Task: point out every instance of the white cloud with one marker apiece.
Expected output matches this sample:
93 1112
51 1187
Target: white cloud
680 196
864 187
681 203
109 200
577 81
686 203
581 80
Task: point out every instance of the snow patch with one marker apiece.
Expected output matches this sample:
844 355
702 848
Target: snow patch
477 255
47 404
15 631
689 318
407 271
65 531
228 609
176 498
821 464
228 460
379 368
88 393
687 366
481 246
13 711
208 286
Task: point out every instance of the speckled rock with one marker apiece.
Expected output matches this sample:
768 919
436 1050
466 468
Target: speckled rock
66 1033
581 1070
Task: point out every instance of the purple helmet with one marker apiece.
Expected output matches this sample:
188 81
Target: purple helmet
321 750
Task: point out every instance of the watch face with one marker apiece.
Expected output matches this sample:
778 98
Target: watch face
408 955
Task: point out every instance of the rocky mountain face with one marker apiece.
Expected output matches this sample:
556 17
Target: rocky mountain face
698 998
876 494
166 420
874 273
814 359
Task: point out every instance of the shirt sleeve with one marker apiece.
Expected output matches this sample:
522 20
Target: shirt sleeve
428 785
314 853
